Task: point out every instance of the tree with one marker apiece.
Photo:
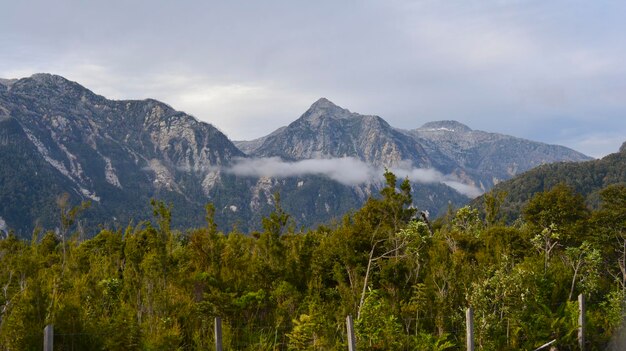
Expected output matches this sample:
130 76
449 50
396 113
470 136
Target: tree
68 217
493 206
610 221
555 217
585 263
276 222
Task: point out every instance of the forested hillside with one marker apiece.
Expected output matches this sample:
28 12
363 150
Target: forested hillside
407 282
587 178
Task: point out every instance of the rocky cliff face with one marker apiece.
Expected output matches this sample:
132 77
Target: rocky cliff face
63 111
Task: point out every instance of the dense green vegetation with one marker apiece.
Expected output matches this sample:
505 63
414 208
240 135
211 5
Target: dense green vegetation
407 282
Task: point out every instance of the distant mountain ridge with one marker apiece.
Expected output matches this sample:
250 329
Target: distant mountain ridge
488 158
57 136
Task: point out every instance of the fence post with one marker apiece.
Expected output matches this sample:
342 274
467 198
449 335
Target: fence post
469 325
218 334
351 340
581 322
48 338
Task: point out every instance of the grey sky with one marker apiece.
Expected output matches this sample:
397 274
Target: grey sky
553 71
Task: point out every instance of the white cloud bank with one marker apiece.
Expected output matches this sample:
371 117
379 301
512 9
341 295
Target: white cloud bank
345 170
429 175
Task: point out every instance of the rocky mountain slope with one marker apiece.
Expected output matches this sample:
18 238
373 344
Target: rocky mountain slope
326 130
56 136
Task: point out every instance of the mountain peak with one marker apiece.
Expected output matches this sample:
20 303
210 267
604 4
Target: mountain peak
623 148
451 126
46 85
48 78
325 104
324 108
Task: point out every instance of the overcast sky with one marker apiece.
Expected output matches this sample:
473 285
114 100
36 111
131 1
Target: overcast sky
552 71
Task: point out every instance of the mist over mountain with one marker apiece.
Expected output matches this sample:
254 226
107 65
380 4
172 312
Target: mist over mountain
58 137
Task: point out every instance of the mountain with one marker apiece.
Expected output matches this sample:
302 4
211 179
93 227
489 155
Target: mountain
586 178
475 158
326 130
57 137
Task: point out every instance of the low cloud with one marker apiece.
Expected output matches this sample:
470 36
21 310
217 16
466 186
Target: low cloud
465 189
430 175
346 170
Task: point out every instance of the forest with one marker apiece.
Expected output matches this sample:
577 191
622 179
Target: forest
405 280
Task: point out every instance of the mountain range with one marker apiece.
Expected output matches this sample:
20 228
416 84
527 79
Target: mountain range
57 137
478 158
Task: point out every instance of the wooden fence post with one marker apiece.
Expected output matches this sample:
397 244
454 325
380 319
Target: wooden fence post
351 340
218 334
48 338
469 324
581 322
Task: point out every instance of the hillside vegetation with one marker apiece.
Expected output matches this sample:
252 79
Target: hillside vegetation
586 178
405 281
